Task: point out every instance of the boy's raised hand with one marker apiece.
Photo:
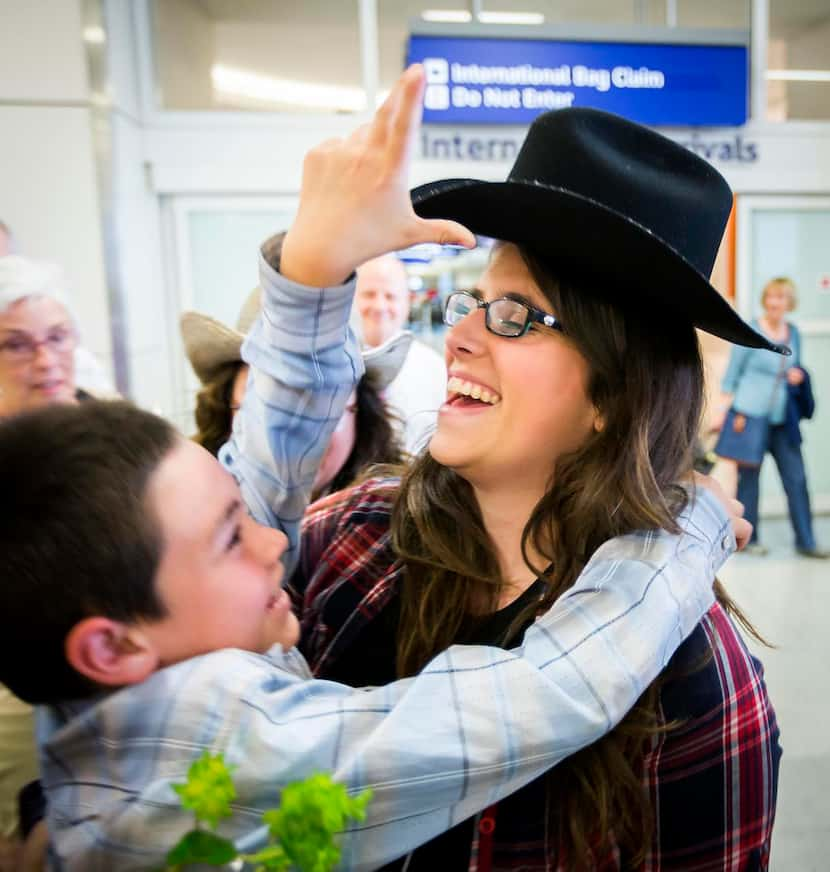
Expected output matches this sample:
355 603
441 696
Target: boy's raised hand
354 199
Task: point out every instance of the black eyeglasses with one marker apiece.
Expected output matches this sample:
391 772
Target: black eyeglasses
504 317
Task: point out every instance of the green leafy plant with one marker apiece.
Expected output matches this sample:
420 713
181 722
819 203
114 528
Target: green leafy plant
301 831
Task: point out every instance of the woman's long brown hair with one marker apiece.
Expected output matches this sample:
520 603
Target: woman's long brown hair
646 380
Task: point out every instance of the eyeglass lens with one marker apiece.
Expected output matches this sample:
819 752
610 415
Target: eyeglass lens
25 347
504 317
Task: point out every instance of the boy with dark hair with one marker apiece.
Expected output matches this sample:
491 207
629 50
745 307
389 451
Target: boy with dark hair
142 605
96 549
125 552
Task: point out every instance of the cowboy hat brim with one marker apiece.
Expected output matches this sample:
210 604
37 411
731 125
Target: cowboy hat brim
585 238
384 362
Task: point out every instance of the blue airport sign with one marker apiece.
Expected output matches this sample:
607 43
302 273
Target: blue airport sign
510 81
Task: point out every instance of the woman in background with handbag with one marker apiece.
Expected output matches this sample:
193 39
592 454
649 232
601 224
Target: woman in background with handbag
754 418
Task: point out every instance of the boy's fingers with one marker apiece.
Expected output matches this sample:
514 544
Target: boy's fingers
361 134
380 125
443 232
324 147
407 117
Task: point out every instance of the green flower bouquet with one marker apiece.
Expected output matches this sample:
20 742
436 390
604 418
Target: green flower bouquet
301 831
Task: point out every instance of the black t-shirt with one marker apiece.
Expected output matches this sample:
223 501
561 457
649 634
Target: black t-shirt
370 662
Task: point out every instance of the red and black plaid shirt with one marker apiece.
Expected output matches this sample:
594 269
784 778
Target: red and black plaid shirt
711 782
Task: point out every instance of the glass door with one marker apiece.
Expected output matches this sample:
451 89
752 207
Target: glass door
213 252
787 236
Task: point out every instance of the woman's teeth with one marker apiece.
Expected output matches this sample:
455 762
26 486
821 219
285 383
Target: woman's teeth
458 386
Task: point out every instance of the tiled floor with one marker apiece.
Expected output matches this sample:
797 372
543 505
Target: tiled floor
788 599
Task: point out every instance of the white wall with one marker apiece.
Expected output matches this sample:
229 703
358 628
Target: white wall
264 154
41 51
809 50
185 53
48 189
288 48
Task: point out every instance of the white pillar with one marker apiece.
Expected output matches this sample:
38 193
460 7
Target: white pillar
367 12
758 53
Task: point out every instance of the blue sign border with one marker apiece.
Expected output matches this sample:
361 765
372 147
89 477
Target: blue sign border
489 80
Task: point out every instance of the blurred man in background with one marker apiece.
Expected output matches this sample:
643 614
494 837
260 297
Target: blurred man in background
382 302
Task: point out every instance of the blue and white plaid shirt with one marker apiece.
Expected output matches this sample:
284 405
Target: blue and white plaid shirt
474 726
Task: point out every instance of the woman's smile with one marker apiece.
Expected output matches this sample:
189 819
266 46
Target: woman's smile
469 394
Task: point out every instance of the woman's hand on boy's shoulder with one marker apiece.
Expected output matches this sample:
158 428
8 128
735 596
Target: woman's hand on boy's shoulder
733 508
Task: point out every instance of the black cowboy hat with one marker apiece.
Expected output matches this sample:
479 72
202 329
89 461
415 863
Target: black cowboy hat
605 198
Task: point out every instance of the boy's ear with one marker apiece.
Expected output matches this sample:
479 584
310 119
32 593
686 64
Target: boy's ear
109 652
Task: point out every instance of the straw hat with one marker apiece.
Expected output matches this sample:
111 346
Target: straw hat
210 344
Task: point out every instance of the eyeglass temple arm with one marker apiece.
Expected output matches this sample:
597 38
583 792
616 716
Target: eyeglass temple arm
544 318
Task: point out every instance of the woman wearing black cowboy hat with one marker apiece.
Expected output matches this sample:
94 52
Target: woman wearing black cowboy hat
574 398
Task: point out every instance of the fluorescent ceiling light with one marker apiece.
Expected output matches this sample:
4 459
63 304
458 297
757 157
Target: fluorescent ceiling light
266 89
799 75
511 17
447 16
95 35
463 16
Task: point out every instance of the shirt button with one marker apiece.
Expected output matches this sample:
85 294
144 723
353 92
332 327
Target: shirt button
726 543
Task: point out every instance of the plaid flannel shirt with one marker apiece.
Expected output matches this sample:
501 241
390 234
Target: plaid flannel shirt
474 726
712 781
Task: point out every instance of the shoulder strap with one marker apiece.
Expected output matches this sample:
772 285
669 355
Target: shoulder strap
782 369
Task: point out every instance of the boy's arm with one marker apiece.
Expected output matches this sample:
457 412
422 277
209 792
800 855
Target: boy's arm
477 723
304 362
354 205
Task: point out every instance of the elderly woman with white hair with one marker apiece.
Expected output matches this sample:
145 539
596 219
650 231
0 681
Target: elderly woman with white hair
38 337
